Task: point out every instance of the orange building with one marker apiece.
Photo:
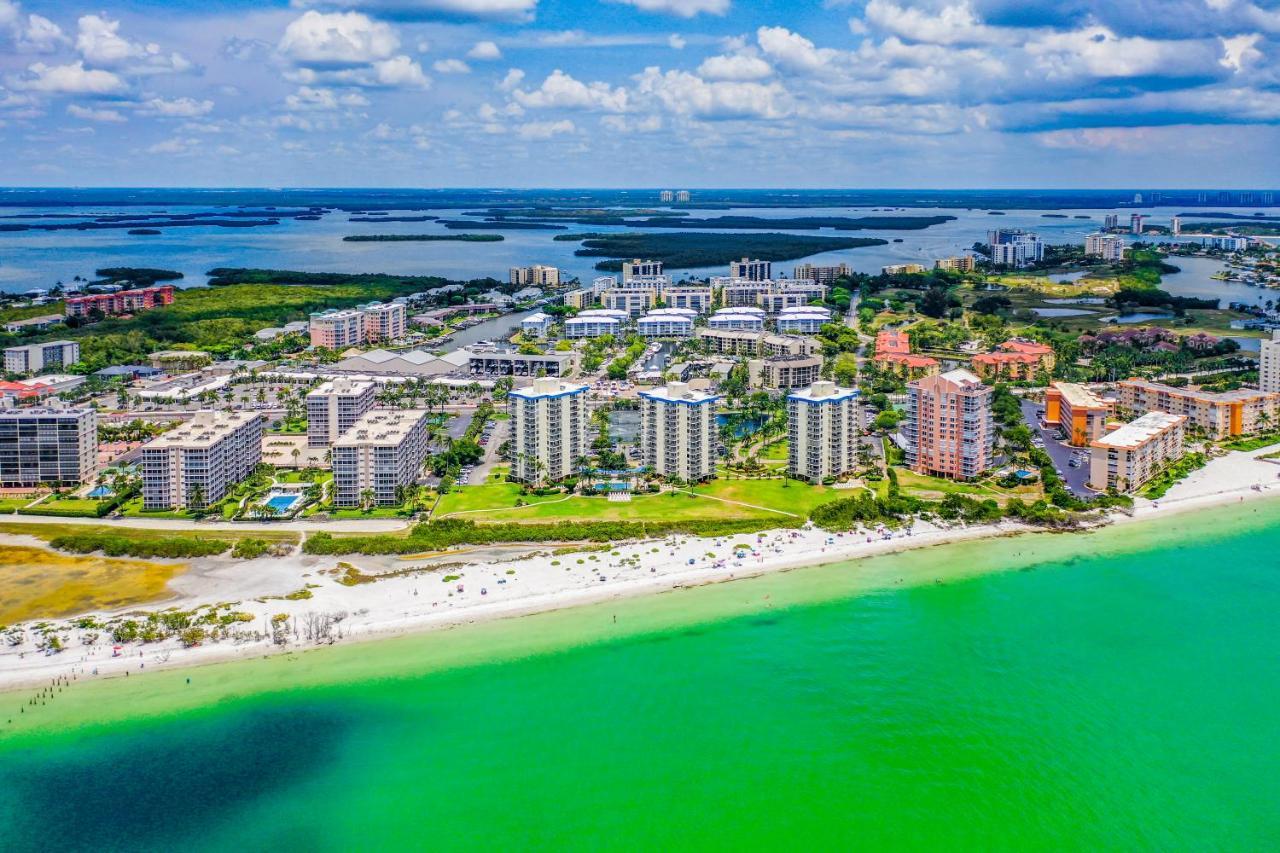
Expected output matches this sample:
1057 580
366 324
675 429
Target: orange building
950 430
1006 365
1217 415
909 366
1043 352
1081 414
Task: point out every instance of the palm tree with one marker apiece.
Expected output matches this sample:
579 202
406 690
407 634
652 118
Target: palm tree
366 499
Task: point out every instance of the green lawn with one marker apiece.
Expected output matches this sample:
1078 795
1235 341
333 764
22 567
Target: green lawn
51 531
492 495
70 506
790 496
304 477
12 504
776 450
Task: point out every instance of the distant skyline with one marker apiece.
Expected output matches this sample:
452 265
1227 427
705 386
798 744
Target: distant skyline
640 93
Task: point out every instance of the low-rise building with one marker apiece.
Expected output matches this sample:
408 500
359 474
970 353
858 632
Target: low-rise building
195 464
678 432
1077 411
594 324
1125 459
950 430
666 323
893 353
732 319
536 325
521 364
548 422
731 342
119 301
1013 366
334 407
1216 415
959 263
822 422
32 324
33 358
806 320
378 456
784 371
632 302
40 445
902 269
1043 352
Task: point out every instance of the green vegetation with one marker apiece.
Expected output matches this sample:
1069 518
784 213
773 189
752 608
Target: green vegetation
705 250
798 223
423 238
138 276
126 546
1158 485
438 535
1256 442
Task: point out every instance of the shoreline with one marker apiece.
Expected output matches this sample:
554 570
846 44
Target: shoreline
535 581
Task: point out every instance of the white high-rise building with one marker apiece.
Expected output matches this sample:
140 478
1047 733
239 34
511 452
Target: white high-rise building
1109 247
823 427
548 430
682 196
666 196
196 464
678 432
1269 369
1175 226
381 452
334 407
1015 248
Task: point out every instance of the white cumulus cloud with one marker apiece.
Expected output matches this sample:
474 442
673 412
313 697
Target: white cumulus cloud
451 66
681 8
91 114
545 129
484 51
561 90
339 38
71 79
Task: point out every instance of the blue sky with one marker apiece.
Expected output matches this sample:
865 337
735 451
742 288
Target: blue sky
681 93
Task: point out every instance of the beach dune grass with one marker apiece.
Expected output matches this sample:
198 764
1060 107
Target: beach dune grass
36 583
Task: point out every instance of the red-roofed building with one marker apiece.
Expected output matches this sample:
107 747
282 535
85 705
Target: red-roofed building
1043 352
1006 365
893 352
120 302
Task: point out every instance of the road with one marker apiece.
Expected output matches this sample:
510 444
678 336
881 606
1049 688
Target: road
1059 452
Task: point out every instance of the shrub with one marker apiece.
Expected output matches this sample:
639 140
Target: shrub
114 545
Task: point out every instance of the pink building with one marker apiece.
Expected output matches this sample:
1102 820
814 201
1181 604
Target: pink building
120 302
386 322
337 330
950 431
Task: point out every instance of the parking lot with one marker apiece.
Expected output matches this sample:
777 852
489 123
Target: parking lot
1060 452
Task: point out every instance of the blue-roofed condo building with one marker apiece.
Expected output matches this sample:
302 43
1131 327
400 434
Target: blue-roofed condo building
823 431
678 432
548 430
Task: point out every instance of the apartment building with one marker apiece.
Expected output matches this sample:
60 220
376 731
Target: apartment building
334 407
666 323
694 298
1125 459
751 270
33 358
666 196
584 298
731 342
784 371
1216 415
804 320
595 324
1108 247
42 445
534 276
950 431
337 330
655 283
196 464
380 454
822 275
959 263
893 353
120 302
738 292
1015 248
1269 365
678 432
632 302
1043 352
548 430
536 325
636 268
736 319
1078 412
822 421
902 269
386 321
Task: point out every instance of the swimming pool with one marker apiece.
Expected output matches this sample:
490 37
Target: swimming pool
100 492
283 503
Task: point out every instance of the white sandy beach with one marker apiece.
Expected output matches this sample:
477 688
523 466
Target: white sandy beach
491 585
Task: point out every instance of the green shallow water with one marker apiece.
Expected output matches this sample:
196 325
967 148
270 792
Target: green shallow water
1115 690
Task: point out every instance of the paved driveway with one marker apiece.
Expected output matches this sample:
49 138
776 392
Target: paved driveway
1059 452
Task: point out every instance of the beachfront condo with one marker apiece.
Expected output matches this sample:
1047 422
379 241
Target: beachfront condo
537 275
334 407
1216 415
950 431
823 431
1077 411
47 446
34 358
196 464
1269 365
548 430
1125 459
380 454
678 432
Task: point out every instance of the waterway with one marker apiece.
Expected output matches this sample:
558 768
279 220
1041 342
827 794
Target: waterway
1109 691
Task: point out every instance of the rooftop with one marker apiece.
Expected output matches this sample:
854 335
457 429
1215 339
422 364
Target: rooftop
381 426
546 386
1140 431
1242 395
823 392
342 386
1080 397
678 392
204 430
